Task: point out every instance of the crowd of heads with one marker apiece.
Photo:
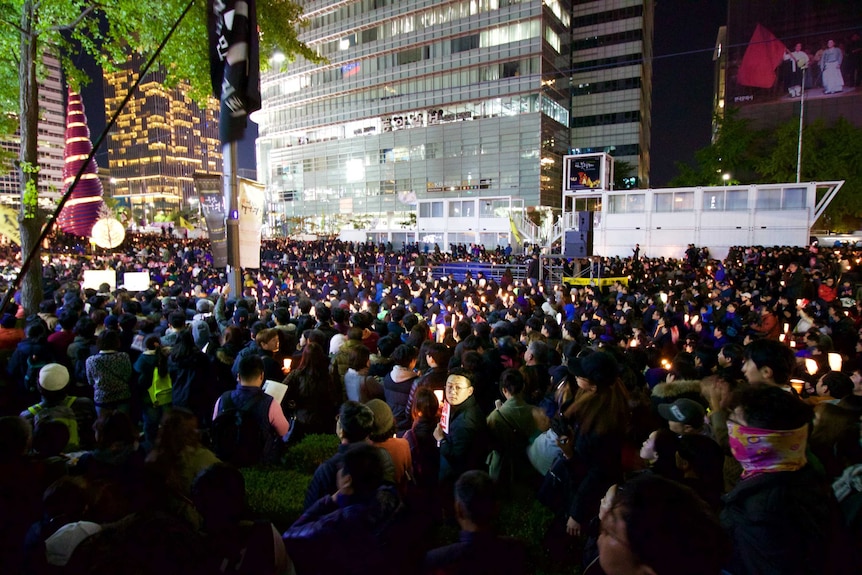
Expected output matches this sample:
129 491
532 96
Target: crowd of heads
670 389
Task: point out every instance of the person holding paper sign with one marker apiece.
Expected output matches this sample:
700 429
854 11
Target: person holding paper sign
248 397
464 444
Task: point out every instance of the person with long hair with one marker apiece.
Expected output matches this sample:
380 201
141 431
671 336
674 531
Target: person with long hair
309 393
835 439
225 356
592 451
191 372
178 455
423 446
436 357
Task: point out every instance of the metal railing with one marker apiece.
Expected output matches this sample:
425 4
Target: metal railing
549 270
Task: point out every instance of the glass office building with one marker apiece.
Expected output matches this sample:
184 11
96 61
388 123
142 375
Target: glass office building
161 139
612 82
417 100
52 128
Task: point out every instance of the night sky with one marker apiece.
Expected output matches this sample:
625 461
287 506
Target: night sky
685 32
683 84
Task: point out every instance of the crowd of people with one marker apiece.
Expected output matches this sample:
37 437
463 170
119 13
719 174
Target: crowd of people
698 416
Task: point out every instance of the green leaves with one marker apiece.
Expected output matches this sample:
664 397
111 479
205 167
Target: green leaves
111 30
829 152
734 151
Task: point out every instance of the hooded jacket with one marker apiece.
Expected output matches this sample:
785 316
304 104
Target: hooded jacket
396 387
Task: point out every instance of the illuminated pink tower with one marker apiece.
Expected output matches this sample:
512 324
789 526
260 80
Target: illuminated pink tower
82 210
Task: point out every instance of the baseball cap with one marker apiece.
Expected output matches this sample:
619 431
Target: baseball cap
683 410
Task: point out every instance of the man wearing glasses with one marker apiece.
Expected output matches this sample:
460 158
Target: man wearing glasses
465 444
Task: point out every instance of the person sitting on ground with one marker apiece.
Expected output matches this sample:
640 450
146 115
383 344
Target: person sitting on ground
659 453
592 448
479 550
78 413
116 463
512 426
354 424
381 362
730 359
193 382
109 372
832 387
344 532
781 514
66 502
22 483
465 445
685 417
669 391
652 525
310 393
700 461
177 457
835 438
423 447
358 361
341 360
176 324
383 436
398 383
436 358
268 342
218 493
768 362
248 397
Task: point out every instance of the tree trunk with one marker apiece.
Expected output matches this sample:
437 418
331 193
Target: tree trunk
31 287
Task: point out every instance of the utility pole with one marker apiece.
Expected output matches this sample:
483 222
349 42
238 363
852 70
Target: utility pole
230 182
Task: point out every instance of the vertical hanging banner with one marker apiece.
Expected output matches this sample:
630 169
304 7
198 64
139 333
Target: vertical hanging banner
234 63
9 225
251 203
209 190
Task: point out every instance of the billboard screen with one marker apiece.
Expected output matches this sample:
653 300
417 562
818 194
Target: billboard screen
775 50
587 172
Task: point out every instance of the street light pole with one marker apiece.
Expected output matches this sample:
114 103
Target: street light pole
801 118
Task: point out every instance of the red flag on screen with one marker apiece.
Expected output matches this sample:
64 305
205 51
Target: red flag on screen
762 57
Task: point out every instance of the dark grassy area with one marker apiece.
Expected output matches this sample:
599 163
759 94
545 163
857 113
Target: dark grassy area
278 494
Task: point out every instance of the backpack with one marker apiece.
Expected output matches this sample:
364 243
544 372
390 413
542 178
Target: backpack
238 436
31 376
64 414
160 389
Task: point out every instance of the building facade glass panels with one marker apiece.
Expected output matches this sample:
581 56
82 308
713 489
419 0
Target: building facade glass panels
417 99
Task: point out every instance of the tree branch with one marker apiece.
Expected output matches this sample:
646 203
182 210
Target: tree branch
13 25
71 25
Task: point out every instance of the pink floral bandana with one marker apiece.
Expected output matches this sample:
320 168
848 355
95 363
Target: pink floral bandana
767 450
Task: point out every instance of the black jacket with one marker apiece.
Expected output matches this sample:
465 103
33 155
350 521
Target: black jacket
397 396
466 446
781 522
597 465
194 385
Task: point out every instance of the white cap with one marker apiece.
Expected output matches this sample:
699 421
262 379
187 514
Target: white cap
53 377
